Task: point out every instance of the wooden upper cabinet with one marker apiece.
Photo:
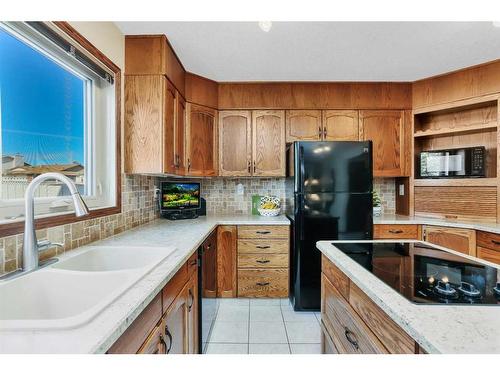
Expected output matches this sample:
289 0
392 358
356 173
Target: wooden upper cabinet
152 54
303 125
180 135
169 127
339 125
268 143
144 120
386 130
235 143
201 141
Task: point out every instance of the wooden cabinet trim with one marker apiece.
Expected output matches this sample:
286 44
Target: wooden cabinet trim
336 277
226 261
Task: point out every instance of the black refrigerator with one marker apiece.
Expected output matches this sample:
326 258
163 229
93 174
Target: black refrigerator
332 199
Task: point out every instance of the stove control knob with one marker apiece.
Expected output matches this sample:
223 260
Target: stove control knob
496 289
469 289
444 286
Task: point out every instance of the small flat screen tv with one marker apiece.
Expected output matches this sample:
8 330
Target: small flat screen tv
180 196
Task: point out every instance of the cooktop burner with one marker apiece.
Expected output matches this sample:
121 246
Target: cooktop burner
425 274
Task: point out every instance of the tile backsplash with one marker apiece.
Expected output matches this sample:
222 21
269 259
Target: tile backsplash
386 188
138 207
222 195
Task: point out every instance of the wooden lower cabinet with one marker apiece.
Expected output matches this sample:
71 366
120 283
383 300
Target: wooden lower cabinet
263 259
488 246
352 322
169 324
226 261
397 231
458 239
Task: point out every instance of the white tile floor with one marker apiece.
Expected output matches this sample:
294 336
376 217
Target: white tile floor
263 326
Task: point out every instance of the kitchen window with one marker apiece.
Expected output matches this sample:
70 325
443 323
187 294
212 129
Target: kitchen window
57 114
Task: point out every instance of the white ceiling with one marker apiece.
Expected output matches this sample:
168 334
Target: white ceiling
326 51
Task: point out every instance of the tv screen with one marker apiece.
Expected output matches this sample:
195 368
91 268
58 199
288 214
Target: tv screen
178 195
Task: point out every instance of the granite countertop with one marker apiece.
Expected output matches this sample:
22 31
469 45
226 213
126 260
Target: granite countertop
436 328
401 219
99 334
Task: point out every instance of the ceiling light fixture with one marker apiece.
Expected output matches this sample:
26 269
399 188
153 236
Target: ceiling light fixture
265 25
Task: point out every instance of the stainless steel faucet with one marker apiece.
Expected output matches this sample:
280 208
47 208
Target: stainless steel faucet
31 246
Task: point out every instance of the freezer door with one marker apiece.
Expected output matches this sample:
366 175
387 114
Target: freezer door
323 216
333 167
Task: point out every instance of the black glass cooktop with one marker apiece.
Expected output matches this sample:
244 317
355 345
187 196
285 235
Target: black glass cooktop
427 275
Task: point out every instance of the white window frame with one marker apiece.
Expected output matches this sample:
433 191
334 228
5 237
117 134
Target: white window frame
100 153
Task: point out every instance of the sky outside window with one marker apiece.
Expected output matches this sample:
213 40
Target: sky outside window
42 106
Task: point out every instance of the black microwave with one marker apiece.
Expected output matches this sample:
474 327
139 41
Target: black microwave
452 163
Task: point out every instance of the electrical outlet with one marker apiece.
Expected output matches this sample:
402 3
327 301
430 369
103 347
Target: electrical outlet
240 189
401 189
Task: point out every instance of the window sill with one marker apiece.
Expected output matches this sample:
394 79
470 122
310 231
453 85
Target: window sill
15 227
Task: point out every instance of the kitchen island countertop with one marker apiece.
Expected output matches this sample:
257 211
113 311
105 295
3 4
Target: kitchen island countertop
436 328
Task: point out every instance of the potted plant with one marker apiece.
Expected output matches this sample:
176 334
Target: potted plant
377 204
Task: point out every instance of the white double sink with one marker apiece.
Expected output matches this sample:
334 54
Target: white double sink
74 290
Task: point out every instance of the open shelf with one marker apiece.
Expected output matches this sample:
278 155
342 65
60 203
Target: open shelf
461 130
455 182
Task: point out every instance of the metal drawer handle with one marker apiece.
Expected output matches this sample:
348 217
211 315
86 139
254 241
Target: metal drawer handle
191 297
170 340
395 231
263 247
162 343
351 337
262 284
263 231
193 262
263 261
495 242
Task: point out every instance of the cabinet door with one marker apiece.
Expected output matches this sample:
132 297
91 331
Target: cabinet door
155 343
192 306
235 143
201 141
169 128
303 125
176 321
268 143
386 130
340 125
226 261
180 135
458 239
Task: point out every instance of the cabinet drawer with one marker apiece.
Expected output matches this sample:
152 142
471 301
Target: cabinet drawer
262 260
488 240
335 276
327 345
263 283
174 286
263 231
389 333
490 255
458 239
263 246
349 333
389 231
155 343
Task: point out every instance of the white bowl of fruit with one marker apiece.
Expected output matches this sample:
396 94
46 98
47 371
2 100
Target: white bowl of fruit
269 206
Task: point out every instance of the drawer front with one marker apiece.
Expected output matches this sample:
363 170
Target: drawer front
390 231
174 286
155 343
263 283
458 239
349 333
327 345
490 255
263 246
389 333
488 240
262 260
336 276
263 231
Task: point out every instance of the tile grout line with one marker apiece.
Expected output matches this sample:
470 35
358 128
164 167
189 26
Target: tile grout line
248 337
286 331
